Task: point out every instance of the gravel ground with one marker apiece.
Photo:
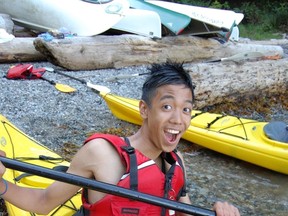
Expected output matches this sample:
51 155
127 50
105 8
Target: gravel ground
55 118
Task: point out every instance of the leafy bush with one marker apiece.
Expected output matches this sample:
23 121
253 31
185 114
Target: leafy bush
195 2
218 5
252 12
280 20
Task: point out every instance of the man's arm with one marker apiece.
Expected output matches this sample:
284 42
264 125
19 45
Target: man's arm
42 201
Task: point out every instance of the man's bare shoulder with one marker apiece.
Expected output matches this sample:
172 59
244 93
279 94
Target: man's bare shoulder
97 150
95 157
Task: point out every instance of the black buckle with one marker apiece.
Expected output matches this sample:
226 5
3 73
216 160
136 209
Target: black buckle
128 149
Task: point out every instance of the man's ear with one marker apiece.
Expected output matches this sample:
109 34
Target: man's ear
143 108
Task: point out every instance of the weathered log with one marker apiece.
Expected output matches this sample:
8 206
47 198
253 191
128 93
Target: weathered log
227 82
20 49
89 53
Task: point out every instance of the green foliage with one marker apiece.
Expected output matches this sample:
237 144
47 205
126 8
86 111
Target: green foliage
212 4
252 12
257 32
200 3
280 20
269 17
218 5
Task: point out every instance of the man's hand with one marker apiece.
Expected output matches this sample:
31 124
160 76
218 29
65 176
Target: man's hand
2 167
225 209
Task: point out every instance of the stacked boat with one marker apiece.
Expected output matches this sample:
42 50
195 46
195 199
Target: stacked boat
187 19
151 18
82 17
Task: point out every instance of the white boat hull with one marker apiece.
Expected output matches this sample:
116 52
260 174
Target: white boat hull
141 22
80 17
222 19
234 34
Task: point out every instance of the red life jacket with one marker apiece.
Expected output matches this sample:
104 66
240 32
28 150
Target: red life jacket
142 174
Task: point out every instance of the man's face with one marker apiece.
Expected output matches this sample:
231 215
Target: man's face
169 116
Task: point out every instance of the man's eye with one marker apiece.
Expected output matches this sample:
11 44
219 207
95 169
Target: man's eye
187 110
167 107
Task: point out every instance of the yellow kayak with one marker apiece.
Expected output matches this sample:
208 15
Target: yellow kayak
18 145
261 143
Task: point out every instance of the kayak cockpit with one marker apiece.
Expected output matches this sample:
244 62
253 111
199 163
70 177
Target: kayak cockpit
277 130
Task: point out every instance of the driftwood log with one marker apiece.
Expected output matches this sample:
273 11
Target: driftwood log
89 53
99 52
227 82
20 50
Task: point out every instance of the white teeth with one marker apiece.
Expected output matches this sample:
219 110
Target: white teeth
173 131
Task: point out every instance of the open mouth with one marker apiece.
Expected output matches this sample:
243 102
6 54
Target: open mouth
171 135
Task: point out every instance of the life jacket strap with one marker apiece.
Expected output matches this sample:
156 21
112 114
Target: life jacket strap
133 165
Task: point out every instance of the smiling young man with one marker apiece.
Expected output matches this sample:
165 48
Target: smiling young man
147 161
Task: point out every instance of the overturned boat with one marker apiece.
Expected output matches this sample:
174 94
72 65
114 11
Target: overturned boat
81 17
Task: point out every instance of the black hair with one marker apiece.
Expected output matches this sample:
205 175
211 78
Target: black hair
165 74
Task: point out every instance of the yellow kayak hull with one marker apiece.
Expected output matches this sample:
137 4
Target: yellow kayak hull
237 137
18 145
